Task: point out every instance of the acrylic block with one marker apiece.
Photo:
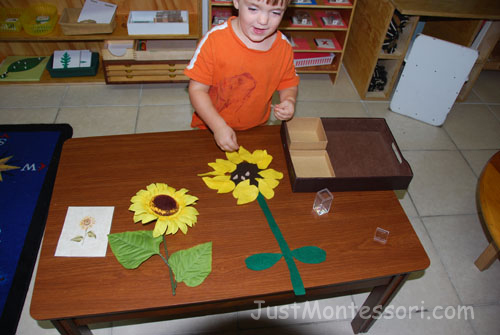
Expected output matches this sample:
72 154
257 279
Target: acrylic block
381 235
323 202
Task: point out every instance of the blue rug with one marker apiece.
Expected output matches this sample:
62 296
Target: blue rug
29 155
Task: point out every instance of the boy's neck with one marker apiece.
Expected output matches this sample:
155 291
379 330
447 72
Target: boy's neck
264 45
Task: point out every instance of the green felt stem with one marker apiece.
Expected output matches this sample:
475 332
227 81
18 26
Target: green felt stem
173 283
298 285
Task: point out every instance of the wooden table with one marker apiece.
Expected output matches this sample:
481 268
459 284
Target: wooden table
108 171
489 199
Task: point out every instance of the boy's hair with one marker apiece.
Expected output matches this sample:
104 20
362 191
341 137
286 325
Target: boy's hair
283 3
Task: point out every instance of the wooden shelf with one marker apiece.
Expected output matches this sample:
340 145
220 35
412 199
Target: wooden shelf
16 44
310 33
364 50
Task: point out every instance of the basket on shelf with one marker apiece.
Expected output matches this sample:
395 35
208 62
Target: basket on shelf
304 59
10 19
39 19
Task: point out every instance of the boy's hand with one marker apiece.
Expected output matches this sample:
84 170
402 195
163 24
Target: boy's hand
284 110
225 137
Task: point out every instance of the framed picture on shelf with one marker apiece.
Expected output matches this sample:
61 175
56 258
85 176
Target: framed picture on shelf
302 19
331 18
327 43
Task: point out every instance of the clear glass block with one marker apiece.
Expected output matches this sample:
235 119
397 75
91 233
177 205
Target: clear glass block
323 201
381 235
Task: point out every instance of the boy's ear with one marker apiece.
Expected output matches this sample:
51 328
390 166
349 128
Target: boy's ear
236 4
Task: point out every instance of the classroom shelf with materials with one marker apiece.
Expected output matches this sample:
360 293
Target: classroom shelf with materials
21 43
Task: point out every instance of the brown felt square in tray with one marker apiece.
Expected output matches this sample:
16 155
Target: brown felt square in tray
362 153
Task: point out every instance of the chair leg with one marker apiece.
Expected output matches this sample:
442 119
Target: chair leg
489 255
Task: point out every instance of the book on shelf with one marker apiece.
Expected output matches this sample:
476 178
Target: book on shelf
221 15
327 43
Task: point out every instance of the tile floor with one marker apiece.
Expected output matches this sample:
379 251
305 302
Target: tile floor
440 202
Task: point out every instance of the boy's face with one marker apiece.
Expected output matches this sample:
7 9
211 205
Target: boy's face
258 20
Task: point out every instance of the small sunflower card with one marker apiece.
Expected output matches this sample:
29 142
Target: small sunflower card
85 232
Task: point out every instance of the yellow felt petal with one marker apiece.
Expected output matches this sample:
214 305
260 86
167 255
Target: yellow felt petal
211 173
234 157
246 155
245 192
223 166
265 189
262 158
222 184
271 174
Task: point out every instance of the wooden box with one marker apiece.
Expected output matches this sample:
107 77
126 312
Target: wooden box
361 155
70 26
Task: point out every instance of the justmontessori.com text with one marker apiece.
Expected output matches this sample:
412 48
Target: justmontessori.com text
314 310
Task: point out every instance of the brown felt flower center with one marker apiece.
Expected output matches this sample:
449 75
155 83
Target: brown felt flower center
245 171
164 205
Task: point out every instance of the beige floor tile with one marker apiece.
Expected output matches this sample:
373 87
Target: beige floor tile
165 94
487 86
97 121
472 98
164 118
329 109
496 110
318 87
210 324
411 134
477 159
28 115
459 240
442 184
96 95
473 126
486 320
31 95
406 202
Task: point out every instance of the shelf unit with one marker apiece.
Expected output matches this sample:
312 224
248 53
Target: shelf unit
318 30
15 44
364 50
455 21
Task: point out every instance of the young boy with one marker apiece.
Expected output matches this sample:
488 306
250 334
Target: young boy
237 67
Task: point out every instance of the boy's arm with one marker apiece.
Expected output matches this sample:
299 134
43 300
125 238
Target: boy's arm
286 108
224 136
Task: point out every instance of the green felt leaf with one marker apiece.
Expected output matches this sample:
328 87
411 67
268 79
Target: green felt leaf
262 261
309 254
25 64
192 265
132 248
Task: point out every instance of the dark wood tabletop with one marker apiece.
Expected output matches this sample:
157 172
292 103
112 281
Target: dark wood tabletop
108 171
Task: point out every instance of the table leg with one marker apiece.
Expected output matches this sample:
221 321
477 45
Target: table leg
69 327
489 255
376 302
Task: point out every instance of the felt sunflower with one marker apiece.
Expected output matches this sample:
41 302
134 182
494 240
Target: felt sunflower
245 174
171 209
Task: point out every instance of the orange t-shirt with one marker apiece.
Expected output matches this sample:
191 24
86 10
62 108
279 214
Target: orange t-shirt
242 80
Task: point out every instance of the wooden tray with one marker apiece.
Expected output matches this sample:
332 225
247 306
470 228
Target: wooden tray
363 154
